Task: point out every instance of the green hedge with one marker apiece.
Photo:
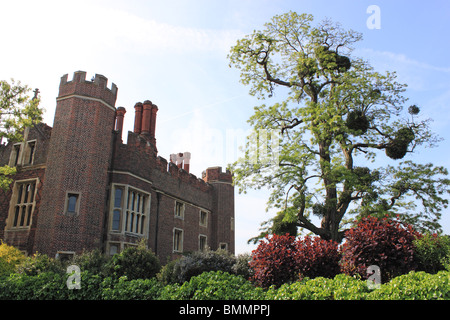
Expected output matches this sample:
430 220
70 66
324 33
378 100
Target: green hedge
218 285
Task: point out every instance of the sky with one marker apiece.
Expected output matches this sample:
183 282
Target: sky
174 53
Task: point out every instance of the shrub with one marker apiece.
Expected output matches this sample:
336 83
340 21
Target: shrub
274 261
10 257
242 266
316 257
93 261
135 263
213 285
196 263
124 289
342 287
415 286
432 252
40 263
382 242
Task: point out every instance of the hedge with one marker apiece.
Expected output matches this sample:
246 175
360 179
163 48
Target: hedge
218 285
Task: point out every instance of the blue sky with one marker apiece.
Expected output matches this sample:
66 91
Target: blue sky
174 54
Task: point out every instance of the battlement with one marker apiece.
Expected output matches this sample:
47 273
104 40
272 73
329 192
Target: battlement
95 88
179 173
215 174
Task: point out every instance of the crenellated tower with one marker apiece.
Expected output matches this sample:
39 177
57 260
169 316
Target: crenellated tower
223 207
71 216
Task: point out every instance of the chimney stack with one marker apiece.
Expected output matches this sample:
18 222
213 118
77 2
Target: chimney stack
138 118
120 114
181 160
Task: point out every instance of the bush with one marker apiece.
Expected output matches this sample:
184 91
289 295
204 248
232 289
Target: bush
342 287
196 263
274 261
135 263
40 263
213 285
10 257
415 286
93 261
316 257
242 266
385 243
124 289
432 252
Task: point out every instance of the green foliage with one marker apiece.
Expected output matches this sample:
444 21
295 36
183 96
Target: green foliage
415 286
17 111
97 263
242 266
195 263
134 263
432 252
342 287
124 289
40 263
213 285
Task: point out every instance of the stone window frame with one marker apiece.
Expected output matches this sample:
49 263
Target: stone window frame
69 194
203 222
22 154
179 213
178 243
28 219
127 210
205 244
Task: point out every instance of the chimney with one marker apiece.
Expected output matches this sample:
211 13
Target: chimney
181 160
153 121
187 159
173 158
120 114
146 116
138 118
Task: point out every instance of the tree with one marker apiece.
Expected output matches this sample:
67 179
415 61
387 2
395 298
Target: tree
332 110
17 112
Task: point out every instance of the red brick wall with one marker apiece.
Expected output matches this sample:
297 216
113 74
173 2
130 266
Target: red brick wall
78 161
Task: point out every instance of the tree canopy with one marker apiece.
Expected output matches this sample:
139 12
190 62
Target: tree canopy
18 110
336 117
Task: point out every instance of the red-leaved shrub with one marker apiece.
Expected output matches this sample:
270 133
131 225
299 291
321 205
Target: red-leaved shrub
281 258
274 261
317 257
382 242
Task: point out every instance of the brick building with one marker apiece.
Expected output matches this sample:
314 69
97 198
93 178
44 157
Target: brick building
78 186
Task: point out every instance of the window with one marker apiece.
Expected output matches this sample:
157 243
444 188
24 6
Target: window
179 210
15 155
203 219
72 206
22 156
177 240
117 210
129 210
114 248
28 156
31 148
202 244
22 200
223 246
65 255
135 215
